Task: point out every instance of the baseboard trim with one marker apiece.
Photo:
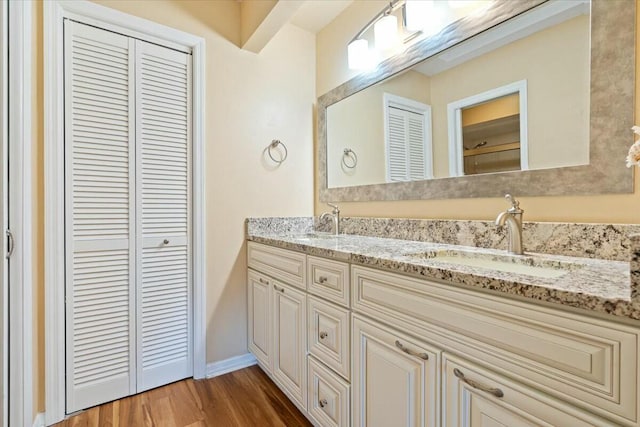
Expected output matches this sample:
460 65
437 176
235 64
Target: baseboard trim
229 365
38 421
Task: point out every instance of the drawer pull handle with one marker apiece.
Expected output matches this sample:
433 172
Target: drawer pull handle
410 352
278 288
264 282
323 403
322 279
495 391
323 335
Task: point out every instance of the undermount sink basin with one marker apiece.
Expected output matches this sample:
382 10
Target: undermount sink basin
507 263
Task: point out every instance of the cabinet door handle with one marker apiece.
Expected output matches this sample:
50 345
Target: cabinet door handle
495 391
423 356
278 288
264 282
323 335
323 403
322 279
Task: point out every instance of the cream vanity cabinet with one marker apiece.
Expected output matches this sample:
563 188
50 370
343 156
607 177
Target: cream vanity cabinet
378 348
503 361
277 317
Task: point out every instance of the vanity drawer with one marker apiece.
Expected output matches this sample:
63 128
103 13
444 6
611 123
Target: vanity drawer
329 279
329 334
589 362
288 266
328 404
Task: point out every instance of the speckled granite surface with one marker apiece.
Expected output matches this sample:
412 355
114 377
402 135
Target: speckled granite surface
602 241
635 266
291 225
611 287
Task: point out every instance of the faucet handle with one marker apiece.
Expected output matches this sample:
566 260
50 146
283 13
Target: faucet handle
515 205
335 207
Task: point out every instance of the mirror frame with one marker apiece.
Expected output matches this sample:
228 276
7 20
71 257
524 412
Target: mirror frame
611 115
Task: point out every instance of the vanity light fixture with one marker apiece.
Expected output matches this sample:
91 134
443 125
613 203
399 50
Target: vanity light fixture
359 55
417 14
385 26
386 33
419 18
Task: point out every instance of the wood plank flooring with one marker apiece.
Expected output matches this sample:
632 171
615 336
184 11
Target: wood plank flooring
242 398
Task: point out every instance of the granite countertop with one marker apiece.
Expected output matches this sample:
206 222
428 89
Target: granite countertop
593 284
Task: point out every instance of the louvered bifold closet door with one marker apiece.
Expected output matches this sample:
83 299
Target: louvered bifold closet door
163 103
99 191
406 156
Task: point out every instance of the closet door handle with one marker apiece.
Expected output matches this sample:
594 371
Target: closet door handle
423 356
11 242
495 391
166 241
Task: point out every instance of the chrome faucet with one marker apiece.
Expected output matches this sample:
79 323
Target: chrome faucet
335 214
513 218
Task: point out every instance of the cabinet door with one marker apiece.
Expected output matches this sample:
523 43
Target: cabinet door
290 341
475 397
395 378
260 320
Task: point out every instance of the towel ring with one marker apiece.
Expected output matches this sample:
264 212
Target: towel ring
349 154
273 145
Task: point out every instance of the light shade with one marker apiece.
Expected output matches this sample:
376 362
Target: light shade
358 54
418 14
386 32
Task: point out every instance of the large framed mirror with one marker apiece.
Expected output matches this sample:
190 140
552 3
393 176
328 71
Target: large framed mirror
530 97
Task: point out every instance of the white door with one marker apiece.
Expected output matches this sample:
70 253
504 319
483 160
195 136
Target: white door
99 196
394 379
127 198
163 140
290 338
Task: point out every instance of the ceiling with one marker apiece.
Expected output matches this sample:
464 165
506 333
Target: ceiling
314 15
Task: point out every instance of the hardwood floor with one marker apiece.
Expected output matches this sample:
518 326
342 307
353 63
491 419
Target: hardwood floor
242 398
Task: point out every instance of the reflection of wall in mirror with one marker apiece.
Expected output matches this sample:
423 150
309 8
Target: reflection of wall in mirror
555 63
357 122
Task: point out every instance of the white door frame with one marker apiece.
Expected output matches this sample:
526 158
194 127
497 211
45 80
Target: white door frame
20 286
55 11
454 123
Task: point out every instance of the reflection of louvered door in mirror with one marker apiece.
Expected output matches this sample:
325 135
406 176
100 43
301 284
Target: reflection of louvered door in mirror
128 293
163 86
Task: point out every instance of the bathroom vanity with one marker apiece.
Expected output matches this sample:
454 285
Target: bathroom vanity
371 331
